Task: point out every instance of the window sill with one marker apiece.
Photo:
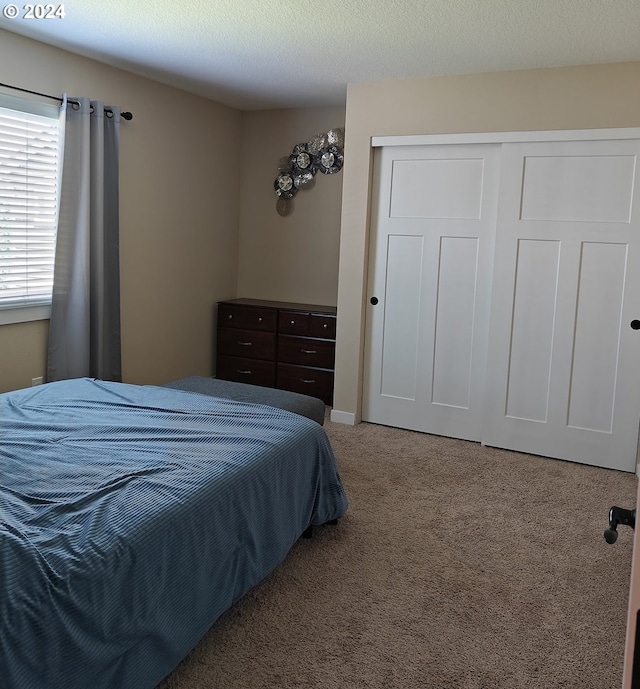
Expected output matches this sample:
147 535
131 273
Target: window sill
23 314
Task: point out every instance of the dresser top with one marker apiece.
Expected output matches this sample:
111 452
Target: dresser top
290 305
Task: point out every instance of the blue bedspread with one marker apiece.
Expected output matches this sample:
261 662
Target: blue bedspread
132 517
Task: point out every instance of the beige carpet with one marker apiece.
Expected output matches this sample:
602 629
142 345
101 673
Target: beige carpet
457 566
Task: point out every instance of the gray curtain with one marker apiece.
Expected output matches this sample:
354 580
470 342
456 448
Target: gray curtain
84 331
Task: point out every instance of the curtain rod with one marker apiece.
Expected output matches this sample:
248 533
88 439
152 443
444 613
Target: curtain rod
124 115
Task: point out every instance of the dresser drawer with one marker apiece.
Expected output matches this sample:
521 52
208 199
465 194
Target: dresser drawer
307 381
322 326
252 344
244 370
246 317
293 322
306 351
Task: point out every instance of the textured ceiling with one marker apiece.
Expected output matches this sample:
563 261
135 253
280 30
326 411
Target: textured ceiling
254 54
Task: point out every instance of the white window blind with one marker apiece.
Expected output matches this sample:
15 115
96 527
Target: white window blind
30 168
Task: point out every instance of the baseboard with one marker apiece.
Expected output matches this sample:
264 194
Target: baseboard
343 417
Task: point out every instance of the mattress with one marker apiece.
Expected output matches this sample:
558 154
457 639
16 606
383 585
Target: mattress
311 407
134 516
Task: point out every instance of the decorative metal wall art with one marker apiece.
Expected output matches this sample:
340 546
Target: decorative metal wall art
323 153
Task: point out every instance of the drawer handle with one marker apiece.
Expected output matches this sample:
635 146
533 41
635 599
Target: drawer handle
325 326
307 380
245 344
259 320
308 351
230 316
246 373
293 322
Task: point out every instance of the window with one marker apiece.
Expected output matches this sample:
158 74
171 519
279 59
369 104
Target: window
30 170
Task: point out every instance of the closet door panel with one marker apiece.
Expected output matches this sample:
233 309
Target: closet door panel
431 252
568 332
437 188
400 339
577 188
534 298
597 336
454 317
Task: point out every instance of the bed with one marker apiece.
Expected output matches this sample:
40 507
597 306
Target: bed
132 517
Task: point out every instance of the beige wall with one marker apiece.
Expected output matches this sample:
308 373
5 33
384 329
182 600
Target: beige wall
292 258
566 98
22 353
179 191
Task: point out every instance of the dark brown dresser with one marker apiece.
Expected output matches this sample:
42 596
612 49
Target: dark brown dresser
285 345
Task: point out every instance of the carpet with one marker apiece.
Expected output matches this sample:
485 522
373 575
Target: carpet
457 566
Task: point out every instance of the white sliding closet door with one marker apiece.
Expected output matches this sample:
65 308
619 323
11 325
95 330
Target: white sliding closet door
431 252
563 367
